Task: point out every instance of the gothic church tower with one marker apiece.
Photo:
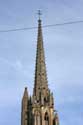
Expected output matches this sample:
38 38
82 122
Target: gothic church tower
39 109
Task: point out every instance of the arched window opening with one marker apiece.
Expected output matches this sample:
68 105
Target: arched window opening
46 118
45 100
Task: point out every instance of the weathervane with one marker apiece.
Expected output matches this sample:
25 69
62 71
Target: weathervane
39 14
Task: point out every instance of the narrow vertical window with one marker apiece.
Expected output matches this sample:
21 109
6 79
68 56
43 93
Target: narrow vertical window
46 118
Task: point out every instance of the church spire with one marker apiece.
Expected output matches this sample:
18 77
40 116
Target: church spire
40 69
39 108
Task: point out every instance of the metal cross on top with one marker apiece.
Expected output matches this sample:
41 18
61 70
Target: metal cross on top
39 14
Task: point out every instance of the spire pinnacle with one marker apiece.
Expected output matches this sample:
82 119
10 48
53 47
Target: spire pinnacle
39 14
25 93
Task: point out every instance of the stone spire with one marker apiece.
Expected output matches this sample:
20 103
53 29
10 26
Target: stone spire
24 117
40 69
25 93
38 109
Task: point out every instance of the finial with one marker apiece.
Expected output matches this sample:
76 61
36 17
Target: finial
39 14
25 88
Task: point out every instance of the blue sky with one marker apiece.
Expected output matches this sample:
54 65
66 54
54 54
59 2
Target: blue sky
63 50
